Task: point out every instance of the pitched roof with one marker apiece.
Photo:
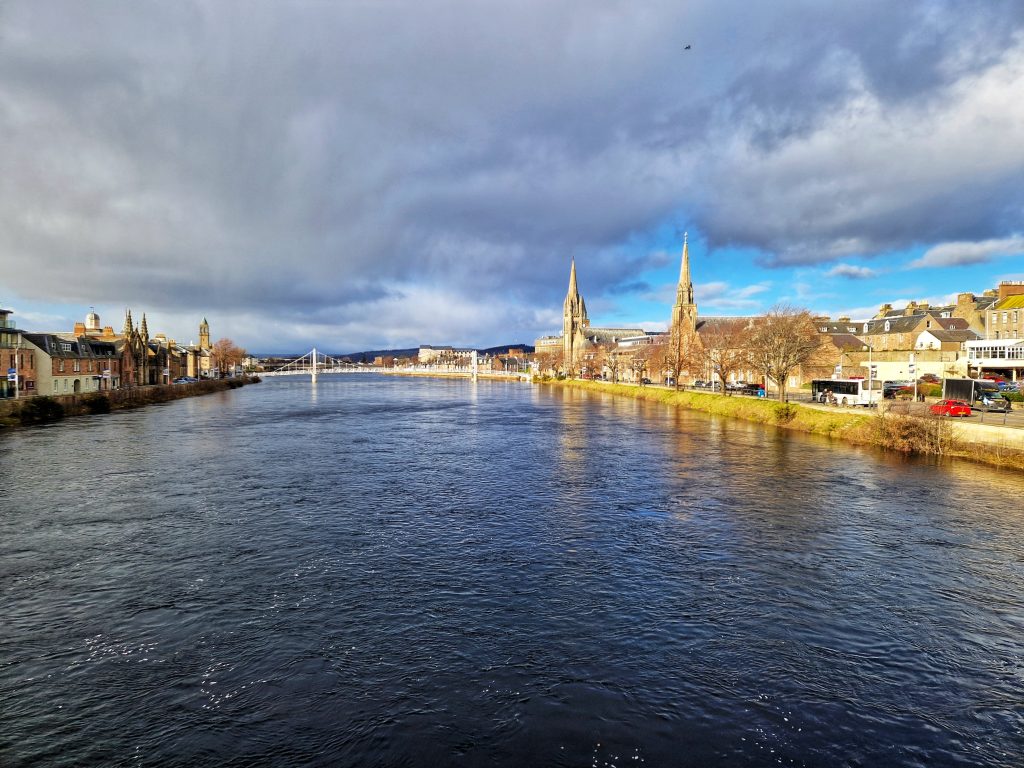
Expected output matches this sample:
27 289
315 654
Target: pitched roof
846 341
1011 302
957 335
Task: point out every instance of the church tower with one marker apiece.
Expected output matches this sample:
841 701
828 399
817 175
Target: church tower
684 310
574 321
204 335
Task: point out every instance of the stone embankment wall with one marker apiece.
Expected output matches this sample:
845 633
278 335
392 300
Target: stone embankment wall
38 409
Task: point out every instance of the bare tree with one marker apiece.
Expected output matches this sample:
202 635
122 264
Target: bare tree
681 350
723 347
613 362
641 358
549 360
225 355
784 339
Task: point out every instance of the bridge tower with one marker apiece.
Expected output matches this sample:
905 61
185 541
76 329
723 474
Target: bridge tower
313 370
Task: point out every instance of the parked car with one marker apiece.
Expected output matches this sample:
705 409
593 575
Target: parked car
951 408
645 381
892 389
699 383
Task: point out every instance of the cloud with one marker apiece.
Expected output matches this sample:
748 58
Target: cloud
851 272
723 296
964 253
308 161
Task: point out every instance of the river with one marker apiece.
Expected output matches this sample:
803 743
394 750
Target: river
417 572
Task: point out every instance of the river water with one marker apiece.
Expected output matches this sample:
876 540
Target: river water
419 572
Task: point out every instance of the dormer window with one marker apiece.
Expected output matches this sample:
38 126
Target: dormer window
865 327
887 326
65 346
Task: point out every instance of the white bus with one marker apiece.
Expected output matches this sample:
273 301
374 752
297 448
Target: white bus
865 392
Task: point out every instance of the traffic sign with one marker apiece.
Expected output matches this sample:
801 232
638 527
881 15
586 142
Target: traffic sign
12 376
873 370
911 368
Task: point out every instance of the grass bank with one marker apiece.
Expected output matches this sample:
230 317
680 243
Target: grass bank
895 431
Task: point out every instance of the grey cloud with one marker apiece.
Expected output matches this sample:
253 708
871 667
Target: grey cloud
317 159
852 272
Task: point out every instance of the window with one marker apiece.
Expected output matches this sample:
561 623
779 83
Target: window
65 346
60 366
78 366
887 326
1006 316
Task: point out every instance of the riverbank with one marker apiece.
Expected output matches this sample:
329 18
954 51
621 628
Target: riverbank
904 432
42 409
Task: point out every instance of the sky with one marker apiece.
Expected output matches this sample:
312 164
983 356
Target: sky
365 174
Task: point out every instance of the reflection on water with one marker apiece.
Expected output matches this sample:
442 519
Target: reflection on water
383 571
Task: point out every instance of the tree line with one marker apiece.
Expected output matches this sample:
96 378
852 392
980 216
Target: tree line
775 345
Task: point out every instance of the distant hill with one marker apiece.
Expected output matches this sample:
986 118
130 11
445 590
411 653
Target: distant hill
370 354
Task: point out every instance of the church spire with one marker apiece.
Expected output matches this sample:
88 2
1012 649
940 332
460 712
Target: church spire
127 330
685 306
144 328
684 291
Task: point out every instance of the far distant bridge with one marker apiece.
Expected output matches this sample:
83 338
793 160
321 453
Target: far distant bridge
314 363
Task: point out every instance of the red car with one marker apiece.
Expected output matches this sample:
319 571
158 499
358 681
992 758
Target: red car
951 408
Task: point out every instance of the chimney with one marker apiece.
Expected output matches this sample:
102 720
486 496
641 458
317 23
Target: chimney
884 310
79 329
1011 288
910 309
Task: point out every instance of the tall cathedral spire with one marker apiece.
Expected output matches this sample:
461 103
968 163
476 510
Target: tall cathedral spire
574 321
127 330
685 306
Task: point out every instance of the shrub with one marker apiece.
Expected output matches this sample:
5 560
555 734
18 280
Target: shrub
1014 397
40 410
784 412
914 434
96 403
